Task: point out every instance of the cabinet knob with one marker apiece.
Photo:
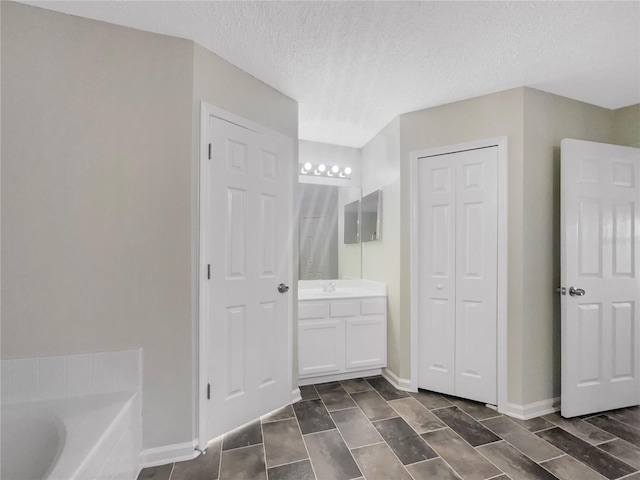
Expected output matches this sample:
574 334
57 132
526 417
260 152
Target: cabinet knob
439 286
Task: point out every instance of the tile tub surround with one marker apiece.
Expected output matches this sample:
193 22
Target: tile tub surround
380 433
46 378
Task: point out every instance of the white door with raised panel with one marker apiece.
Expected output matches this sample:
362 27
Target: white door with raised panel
457 306
600 196
247 218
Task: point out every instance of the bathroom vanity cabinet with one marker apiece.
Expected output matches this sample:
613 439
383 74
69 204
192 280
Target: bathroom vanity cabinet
341 338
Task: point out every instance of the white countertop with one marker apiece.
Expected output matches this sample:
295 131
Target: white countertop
313 289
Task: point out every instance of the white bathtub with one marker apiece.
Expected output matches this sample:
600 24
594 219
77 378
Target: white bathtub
89 437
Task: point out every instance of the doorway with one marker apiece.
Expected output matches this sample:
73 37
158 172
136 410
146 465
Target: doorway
459 270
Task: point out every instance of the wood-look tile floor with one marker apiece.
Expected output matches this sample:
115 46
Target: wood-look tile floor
366 429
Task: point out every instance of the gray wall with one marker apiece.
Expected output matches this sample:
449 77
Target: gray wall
535 123
96 192
626 128
483 117
99 194
224 85
381 171
547 120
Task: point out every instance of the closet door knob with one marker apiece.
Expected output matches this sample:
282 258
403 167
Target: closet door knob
439 286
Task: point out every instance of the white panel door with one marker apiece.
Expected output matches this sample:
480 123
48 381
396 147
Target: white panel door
599 270
248 251
476 273
437 317
458 274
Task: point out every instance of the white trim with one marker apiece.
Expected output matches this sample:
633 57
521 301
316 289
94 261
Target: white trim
200 374
403 384
339 376
532 410
178 452
296 396
503 244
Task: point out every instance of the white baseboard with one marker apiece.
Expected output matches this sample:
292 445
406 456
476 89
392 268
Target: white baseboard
338 376
400 383
532 410
296 396
177 452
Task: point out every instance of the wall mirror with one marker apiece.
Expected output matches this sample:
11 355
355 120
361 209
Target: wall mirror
328 237
371 216
352 222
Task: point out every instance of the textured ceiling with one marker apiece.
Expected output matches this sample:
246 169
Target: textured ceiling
354 66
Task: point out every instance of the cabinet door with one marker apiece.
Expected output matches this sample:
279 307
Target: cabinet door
366 342
320 347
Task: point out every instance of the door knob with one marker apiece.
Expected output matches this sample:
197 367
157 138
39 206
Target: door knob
282 288
576 292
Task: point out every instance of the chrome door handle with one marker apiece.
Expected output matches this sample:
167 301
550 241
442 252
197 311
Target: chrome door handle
576 292
282 288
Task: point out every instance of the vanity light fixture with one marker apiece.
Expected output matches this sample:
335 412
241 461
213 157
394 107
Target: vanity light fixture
321 170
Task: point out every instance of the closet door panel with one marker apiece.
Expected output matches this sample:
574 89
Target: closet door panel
476 274
437 275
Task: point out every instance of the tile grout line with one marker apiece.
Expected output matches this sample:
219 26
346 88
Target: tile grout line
596 447
289 463
374 427
487 458
442 408
523 453
624 423
264 452
552 458
450 466
475 448
389 446
220 462
340 433
627 476
241 448
616 437
295 415
580 420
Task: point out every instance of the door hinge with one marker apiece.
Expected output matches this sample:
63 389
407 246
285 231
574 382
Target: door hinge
209 151
208 391
209 271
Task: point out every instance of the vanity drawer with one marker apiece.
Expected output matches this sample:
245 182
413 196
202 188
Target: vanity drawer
307 310
345 308
374 306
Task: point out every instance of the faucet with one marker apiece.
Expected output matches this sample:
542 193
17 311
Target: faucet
329 287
